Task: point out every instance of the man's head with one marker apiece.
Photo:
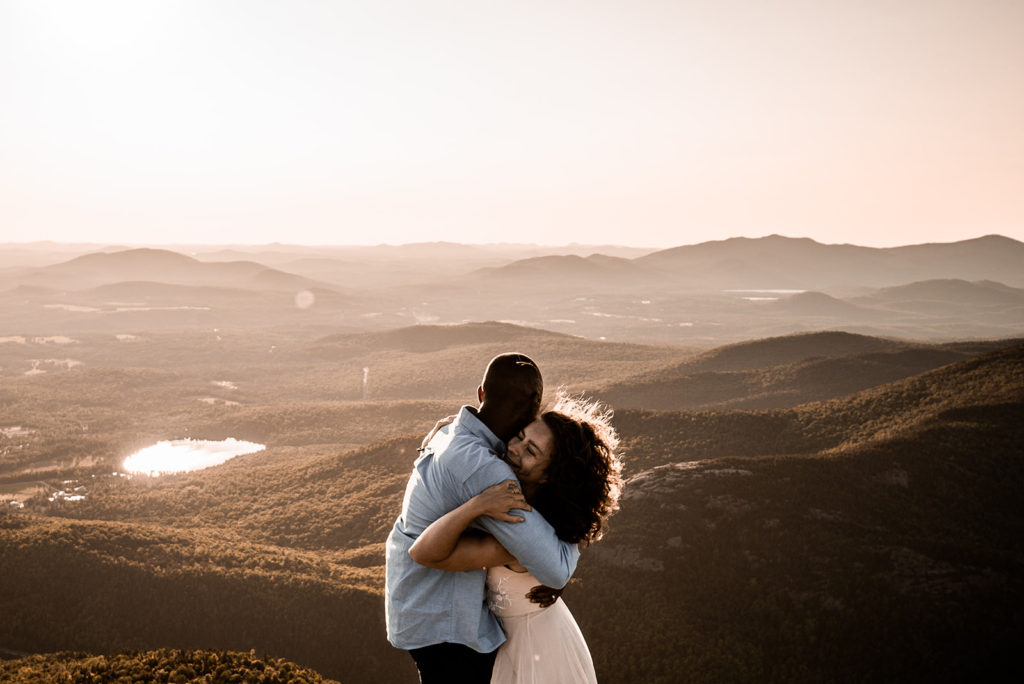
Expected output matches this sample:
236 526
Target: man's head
510 394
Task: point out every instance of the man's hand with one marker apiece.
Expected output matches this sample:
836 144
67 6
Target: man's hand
437 426
543 596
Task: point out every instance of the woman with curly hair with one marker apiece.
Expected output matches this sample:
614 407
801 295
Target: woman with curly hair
569 471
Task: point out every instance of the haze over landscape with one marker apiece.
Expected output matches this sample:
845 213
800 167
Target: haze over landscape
251 252
835 431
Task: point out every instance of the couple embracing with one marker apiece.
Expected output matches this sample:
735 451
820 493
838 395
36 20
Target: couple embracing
498 503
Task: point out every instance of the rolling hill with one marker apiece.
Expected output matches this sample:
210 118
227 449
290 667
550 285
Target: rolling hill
772 262
430 338
950 293
404 362
560 272
814 266
145 264
874 536
893 555
821 304
109 587
782 372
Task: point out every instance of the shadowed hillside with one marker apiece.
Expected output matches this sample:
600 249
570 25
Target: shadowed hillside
897 563
775 351
660 437
112 586
165 665
782 372
870 537
404 363
893 556
429 338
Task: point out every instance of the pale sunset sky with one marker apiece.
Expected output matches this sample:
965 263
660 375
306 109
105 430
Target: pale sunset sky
640 122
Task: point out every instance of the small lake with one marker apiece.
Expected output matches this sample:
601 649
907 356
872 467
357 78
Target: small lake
186 455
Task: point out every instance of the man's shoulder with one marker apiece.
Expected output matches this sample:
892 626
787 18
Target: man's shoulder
465 449
477 466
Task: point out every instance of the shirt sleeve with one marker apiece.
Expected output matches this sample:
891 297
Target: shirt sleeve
533 542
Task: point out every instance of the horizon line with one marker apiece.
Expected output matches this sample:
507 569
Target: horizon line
385 245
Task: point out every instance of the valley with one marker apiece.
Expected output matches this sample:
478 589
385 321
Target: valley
812 505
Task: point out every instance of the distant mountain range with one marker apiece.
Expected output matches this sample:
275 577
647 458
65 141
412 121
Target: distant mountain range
777 262
705 294
945 292
811 265
164 266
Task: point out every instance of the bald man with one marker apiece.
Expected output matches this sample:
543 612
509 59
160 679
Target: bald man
441 617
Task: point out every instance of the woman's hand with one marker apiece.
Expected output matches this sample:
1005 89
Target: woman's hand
544 596
496 501
437 426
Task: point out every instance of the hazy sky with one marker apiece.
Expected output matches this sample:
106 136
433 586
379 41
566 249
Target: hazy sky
638 122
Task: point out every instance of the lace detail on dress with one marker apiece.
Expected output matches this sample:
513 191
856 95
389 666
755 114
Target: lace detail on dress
544 645
497 595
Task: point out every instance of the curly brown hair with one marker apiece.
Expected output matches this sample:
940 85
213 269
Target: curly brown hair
584 477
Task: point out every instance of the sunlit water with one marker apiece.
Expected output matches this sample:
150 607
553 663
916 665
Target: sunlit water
37 365
186 455
123 309
15 431
55 339
760 295
71 307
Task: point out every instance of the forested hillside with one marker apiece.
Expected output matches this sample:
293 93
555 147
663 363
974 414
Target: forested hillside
165 666
894 556
873 536
783 372
102 587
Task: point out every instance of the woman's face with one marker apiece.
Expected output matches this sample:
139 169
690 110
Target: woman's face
529 452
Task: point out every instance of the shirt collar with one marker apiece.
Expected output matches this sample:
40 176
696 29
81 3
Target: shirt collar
468 420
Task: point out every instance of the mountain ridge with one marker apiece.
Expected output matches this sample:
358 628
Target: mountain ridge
795 262
873 535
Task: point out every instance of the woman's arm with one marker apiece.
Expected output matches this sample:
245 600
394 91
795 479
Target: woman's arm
446 545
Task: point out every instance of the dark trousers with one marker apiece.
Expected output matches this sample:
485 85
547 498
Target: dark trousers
453 664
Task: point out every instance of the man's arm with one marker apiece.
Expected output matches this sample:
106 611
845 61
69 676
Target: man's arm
533 542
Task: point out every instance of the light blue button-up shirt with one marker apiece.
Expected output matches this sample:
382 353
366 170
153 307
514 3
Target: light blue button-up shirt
424 606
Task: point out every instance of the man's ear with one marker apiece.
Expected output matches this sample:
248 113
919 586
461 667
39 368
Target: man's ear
480 394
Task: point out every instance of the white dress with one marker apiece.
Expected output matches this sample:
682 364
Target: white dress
545 645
